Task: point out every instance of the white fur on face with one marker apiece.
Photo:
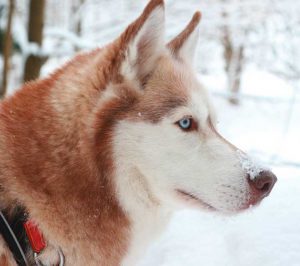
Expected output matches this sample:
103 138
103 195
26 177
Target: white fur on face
169 160
135 194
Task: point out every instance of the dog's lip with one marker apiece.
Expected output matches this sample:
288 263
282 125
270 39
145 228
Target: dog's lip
191 196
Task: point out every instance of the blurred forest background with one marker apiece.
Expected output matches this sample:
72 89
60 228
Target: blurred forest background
248 58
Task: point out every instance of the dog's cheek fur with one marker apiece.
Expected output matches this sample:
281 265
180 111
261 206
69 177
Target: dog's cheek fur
223 184
136 194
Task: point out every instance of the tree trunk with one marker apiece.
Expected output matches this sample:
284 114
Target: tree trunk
77 28
7 49
233 59
35 35
236 72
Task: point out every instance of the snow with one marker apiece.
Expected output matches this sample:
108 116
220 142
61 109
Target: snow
257 84
269 85
251 166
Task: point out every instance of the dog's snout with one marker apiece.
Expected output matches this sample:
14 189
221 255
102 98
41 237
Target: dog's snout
264 182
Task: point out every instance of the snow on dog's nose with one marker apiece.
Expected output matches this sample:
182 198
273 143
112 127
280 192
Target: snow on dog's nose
260 179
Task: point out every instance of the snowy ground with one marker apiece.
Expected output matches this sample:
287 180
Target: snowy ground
268 235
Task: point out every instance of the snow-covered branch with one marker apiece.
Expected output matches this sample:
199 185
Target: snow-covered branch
71 37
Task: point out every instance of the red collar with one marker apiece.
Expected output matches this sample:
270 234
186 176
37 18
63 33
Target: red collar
35 236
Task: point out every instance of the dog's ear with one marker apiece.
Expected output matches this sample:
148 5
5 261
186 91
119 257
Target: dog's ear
183 46
143 42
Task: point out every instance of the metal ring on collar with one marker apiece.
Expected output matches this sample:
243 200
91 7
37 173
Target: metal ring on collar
61 258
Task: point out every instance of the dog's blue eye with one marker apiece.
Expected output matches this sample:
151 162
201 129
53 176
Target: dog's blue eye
185 123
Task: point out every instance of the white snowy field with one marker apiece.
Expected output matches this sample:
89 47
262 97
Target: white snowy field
267 235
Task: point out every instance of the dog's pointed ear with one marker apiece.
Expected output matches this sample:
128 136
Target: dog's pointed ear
143 41
183 46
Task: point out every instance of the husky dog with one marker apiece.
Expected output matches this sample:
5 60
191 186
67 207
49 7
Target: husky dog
104 150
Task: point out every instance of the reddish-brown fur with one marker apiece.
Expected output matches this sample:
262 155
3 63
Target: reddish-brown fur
55 144
49 167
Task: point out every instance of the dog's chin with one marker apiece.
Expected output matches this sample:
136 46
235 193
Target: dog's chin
192 201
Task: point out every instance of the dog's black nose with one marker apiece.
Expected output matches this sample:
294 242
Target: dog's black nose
263 183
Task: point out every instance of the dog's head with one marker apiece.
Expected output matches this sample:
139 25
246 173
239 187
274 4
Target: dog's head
168 136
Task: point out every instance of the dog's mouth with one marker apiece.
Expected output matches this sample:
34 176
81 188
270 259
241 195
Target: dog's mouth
191 199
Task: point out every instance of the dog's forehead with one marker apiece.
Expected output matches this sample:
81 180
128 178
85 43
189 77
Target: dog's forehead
173 85
199 103
182 81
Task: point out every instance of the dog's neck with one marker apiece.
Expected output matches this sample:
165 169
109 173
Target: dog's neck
148 216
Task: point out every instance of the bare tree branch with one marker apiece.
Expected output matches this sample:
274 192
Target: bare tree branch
7 49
